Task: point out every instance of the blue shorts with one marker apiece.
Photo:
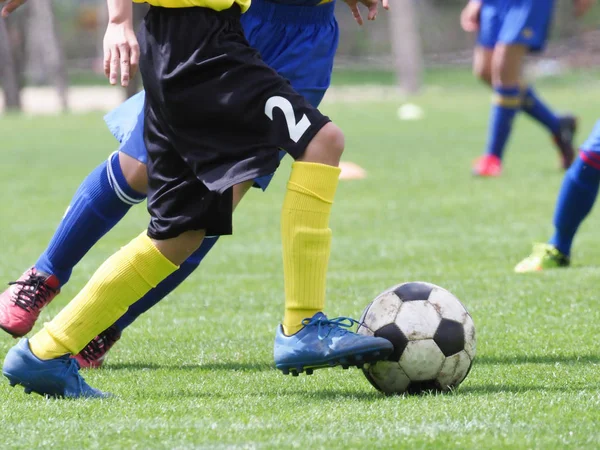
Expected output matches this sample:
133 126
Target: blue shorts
519 22
299 42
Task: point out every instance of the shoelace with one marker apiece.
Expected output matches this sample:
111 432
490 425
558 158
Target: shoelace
37 296
100 344
338 325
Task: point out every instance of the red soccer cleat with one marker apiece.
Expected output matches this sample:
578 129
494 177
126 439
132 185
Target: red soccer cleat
487 166
21 303
92 356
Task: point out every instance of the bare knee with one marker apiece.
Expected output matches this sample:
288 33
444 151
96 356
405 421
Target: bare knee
507 64
326 147
135 173
483 73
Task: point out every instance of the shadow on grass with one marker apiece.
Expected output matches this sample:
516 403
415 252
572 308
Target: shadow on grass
227 365
537 359
267 393
498 389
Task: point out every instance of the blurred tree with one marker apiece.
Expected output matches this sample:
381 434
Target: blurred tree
406 44
45 56
9 75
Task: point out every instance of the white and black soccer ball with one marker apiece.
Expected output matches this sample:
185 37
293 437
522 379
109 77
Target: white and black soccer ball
433 337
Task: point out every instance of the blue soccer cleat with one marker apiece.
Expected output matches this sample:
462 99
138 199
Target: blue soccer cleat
327 342
53 378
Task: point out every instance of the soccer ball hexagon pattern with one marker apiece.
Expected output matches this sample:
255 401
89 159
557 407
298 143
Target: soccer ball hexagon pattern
433 336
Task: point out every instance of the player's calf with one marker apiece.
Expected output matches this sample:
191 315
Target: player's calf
135 173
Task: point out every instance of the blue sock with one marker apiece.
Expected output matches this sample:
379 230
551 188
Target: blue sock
538 110
507 101
166 286
575 200
101 201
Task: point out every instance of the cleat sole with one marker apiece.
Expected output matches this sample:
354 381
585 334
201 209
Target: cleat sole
13 335
355 360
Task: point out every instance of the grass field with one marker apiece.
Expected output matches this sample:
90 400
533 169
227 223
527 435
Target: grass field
197 370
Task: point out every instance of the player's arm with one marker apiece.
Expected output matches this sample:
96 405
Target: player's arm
10 6
121 49
469 17
582 6
372 6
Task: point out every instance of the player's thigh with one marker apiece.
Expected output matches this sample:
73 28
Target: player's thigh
304 51
507 64
134 171
482 63
527 23
178 202
239 191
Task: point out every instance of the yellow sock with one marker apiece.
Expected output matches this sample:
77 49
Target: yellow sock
306 240
123 279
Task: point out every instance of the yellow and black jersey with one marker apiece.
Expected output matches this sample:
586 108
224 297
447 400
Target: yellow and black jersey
217 5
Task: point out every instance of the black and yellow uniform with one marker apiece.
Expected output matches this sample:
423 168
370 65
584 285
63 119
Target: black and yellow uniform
215 115
217 5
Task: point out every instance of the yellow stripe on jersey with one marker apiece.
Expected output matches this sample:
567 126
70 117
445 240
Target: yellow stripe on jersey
322 2
217 5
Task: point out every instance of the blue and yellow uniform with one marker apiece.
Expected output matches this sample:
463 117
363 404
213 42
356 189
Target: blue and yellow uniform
297 39
518 22
590 150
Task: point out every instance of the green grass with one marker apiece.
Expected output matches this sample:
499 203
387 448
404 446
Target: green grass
197 370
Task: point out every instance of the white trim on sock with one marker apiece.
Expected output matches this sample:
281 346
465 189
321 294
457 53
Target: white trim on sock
112 180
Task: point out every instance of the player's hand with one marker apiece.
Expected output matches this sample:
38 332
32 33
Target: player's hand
121 52
372 6
469 17
582 6
10 6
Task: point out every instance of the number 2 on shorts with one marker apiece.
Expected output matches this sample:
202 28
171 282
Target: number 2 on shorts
296 130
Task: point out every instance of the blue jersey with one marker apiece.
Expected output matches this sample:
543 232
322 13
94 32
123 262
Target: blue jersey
298 41
517 22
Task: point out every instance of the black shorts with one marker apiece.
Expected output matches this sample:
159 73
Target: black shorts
215 115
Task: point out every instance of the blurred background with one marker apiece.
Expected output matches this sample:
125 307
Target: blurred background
49 66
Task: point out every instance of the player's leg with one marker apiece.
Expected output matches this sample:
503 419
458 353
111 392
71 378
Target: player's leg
507 62
575 201
482 64
528 24
311 36
94 353
101 200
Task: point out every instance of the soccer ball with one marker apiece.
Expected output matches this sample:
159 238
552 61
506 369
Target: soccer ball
433 337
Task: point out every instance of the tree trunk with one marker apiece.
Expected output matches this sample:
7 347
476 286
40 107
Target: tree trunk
45 54
406 45
8 72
